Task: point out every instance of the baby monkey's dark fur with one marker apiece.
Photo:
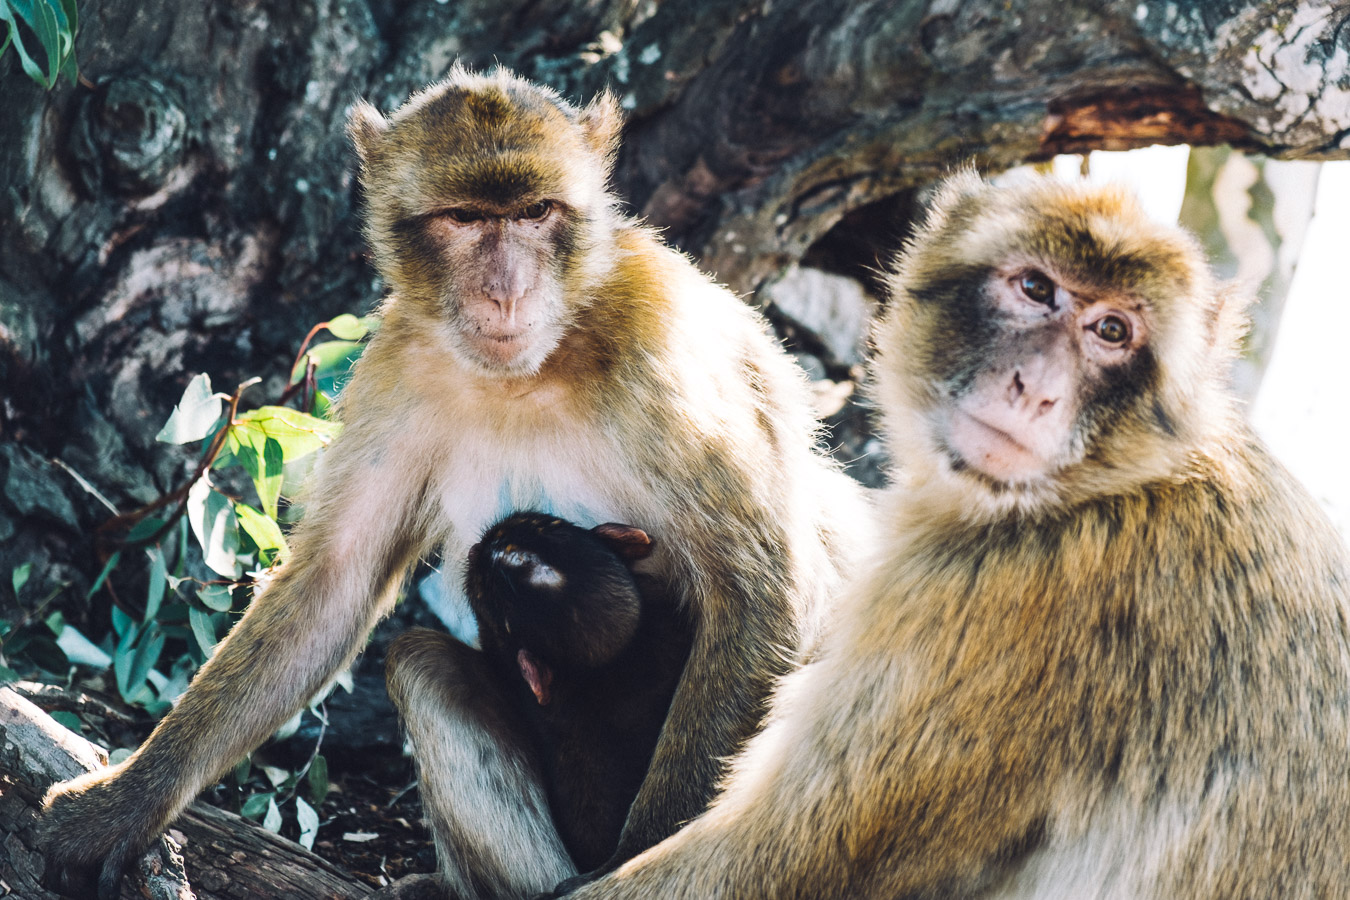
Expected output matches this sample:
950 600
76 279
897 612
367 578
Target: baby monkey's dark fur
588 654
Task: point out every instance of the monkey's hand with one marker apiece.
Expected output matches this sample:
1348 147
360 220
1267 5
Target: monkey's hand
93 827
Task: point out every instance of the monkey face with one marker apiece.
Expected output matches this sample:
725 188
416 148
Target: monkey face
486 201
1014 412
562 593
1047 341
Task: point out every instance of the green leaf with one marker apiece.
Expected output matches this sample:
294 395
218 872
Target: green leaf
267 471
309 823
216 596
298 434
120 755
103 576
43 651
194 415
317 778
123 624
272 821
332 359
30 68
132 667
211 515
159 580
67 720
80 650
7 674
256 805
203 629
347 327
144 529
19 577
265 532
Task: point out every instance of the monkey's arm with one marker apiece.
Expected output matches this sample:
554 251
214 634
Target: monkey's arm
739 650
346 559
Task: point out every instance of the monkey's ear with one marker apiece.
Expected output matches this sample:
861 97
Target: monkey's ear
629 542
952 191
366 127
601 121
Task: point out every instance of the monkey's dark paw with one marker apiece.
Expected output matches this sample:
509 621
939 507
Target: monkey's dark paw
87 845
82 881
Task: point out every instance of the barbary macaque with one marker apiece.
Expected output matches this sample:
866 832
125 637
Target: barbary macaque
1104 653
538 350
580 657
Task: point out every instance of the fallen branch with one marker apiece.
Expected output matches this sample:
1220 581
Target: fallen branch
208 854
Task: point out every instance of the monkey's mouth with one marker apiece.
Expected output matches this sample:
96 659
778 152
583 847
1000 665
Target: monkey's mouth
991 451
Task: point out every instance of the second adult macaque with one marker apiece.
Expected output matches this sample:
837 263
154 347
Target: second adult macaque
579 661
1105 653
538 350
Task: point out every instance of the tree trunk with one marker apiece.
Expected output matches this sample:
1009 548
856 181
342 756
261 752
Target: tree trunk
226 857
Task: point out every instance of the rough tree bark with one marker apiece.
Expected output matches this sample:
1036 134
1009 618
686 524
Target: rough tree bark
230 859
191 207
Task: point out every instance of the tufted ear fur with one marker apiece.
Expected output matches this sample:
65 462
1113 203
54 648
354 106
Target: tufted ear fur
366 128
601 121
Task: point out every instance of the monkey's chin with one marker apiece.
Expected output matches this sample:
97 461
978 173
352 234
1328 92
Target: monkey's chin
992 454
511 355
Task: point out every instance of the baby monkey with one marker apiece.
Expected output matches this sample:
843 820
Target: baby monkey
586 654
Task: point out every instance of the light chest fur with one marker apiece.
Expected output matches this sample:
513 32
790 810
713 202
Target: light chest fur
512 446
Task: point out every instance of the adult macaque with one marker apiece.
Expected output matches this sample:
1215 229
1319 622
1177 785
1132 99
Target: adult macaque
539 350
579 660
1106 652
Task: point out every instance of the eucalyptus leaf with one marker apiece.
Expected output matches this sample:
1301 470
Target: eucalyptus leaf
308 819
158 581
19 577
298 434
43 651
216 597
211 515
317 778
264 531
272 821
347 327
80 650
66 719
256 805
195 414
144 529
203 629
103 575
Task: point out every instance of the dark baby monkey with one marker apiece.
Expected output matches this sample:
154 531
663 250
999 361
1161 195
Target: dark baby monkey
1105 652
588 654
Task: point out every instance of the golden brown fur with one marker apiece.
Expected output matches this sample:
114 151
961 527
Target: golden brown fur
533 355
1124 678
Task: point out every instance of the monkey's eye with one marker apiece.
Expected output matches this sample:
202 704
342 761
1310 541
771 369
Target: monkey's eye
462 214
536 210
1112 329
1038 288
